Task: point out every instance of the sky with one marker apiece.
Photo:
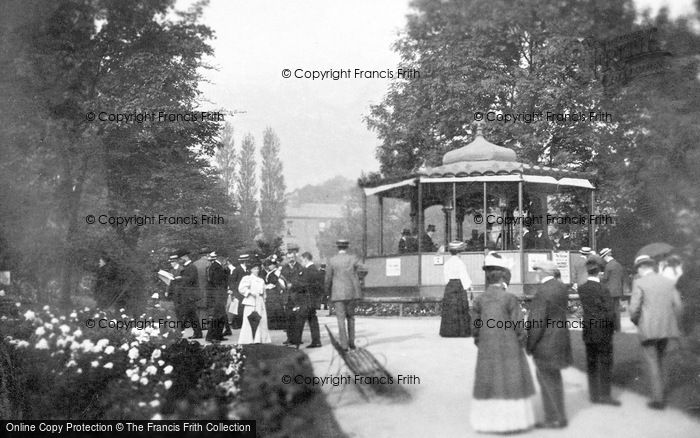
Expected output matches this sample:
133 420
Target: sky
319 122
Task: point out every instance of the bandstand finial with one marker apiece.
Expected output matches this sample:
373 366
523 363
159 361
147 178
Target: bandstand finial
480 128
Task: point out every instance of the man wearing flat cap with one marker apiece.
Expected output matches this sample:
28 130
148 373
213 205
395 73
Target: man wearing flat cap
342 283
613 281
548 341
655 308
427 244
598 329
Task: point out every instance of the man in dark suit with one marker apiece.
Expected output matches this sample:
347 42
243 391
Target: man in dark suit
306 299
185 289
598 329
548 341
427 244
201 264
407 243
342 282
290 273
613 281
217 282
239 271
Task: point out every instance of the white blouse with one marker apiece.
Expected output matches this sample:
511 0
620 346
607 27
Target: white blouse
454 269
251 286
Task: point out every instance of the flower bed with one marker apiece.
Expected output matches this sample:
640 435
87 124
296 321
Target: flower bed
56 367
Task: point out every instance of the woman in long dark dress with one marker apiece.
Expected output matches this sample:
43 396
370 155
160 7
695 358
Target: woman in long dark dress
277 319
503 386
455 320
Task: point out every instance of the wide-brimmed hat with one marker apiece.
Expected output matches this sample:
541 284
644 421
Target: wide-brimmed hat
212 255
605 251
243 257
342 243
431 227
585 250
292 247
406 232
643 260
455 245
546 266
494 260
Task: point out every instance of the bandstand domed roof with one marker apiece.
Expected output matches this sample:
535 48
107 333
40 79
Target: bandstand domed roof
479 150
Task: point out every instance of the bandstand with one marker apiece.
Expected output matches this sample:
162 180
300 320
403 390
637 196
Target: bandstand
483 196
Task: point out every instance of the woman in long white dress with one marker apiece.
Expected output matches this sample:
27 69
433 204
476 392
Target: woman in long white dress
252 287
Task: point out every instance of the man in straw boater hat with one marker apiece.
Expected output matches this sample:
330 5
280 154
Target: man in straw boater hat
655 308
342 283
598 328
613 281
455 320
503 387
548 341
291 270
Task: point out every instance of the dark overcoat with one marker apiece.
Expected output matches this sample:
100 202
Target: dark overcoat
548 332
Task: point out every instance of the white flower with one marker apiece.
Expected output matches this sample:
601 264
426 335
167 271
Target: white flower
168 369
133 353
109 349
40 331
94 364
121 310
48 326
154 403
61 343
161 363
86 309
144 381
78 333
157 417
2 293
64 329
54 321
109 365
134 377
28 314
71 363
42 345
151 370
142 361
156 354
79 371
23 344
168 384
73 315
124 346
142 404
46 307
155 296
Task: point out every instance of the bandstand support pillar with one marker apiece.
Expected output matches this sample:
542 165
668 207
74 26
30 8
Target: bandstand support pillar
364 225
454 232
420 230
523 271
591 226
483 218
381 225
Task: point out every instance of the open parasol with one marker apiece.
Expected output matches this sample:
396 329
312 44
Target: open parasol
656 249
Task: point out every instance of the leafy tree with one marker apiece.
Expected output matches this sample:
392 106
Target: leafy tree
524 57
70 60
272 199
226 160
247 188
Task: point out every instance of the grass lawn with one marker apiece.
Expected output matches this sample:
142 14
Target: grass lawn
629 369
283 410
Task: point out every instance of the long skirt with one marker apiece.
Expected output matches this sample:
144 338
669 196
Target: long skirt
456 321
276 315
262 334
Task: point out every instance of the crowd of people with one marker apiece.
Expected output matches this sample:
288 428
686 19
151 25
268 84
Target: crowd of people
503 382
216 293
